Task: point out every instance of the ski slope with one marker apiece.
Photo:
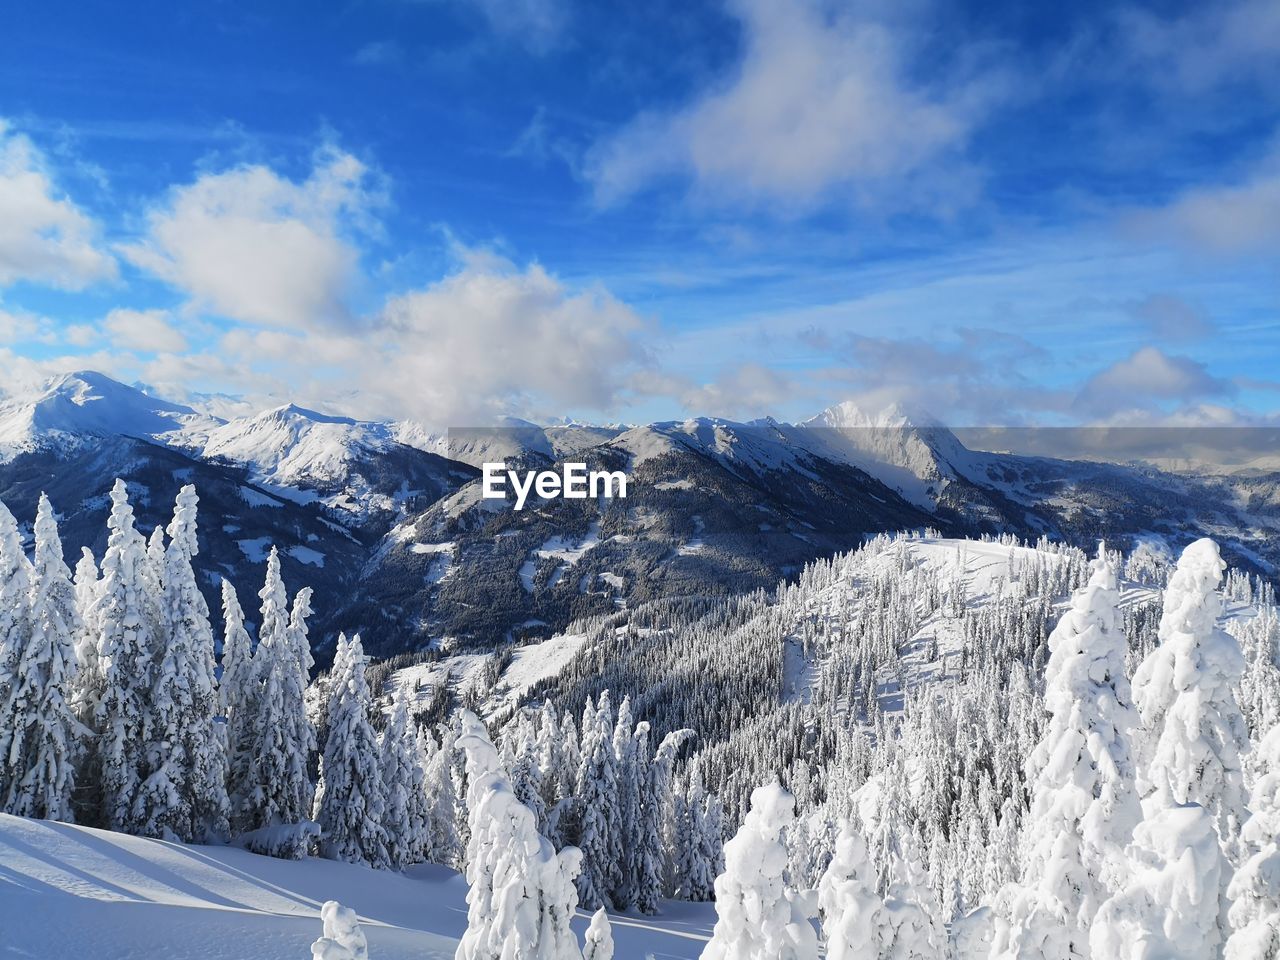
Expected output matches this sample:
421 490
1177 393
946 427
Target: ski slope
74 892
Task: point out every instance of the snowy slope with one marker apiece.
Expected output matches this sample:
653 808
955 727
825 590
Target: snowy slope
73 892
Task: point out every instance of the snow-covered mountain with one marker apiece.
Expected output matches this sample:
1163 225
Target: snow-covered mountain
76 407
715 506
909 453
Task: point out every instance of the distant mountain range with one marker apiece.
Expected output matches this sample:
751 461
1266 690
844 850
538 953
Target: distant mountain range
386 521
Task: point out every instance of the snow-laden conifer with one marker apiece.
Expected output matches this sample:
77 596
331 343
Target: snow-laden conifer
236 681
851 909
343 939
443 802
597 797
123 613
405 817
15 629
753 912
1171 906
1255 889
598 942
350 814
39 769
521 895
1083 804
1185 693
185 793
625 827
275 788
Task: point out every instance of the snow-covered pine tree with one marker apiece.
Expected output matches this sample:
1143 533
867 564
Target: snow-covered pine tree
1255 889
123 613
15 631
655 775
297 631
185 794
550 757
39 769
1083 804
753 912
1189 775
426 747
1171 906
526 773
698 846
350 814
851 908
910 930
237 690
596 802
521 895
598 942
1185 693
275 789
447 845
626 826
405 816
86 587
86 690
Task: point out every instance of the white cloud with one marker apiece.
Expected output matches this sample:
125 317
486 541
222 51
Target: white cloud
251 245
493 337
1239 217
144 331
818 102
747 390
1147 379
44 236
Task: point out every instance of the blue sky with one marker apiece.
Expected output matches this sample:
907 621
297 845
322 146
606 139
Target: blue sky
445 209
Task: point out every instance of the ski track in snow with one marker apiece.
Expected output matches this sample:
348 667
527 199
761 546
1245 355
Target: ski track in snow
71 892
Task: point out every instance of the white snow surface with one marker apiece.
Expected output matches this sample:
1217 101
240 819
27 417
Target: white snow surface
68 892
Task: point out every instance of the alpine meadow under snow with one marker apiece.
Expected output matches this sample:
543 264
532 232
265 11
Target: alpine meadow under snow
923 748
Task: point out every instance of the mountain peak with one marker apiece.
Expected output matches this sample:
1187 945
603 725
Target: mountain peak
850 414
88 403
292 411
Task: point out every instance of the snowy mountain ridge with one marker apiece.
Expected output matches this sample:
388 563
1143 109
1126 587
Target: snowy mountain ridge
75 406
